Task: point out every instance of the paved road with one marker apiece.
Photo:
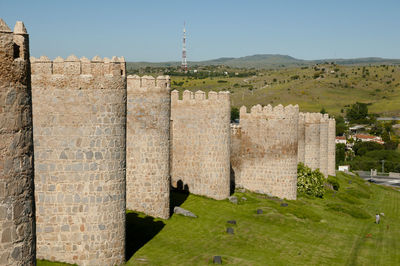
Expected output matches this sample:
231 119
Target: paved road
383 180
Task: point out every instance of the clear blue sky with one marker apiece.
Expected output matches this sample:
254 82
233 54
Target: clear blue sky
152 30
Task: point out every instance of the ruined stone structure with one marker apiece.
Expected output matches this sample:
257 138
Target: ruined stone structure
79 121
312 139
265 150
301 139
331 146
147 164
17 219
323 145
200 143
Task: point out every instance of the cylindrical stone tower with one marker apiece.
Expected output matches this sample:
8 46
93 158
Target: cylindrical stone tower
332 147
79 111
323 145
267 158
147 144
301 138
17 219
200 143
312 139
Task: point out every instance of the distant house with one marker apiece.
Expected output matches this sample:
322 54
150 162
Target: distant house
340 139
393 118
357 128
368 138
344 168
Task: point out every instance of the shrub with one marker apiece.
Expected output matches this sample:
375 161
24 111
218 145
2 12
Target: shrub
334 182
222 81
310 182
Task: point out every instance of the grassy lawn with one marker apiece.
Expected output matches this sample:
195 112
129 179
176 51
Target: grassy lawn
377 85
336 230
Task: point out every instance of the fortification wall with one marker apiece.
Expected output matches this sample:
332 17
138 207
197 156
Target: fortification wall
323 148
331 147
301 139
148 116
79 120
266 161
200 145
17 219
312 139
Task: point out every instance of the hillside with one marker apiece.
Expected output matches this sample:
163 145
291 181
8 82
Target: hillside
266 61
336 230
332 87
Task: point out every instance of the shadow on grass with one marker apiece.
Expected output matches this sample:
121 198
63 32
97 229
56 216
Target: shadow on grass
177 197
139 231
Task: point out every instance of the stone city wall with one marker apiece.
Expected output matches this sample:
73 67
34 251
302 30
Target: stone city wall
331 146
301 139
265 150
200 143
147 164
312 140
17 214
79 123
323 145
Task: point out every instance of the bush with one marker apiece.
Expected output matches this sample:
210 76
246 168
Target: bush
334 182
310 182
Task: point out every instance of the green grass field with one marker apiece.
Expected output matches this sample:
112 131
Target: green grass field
336 230
378 85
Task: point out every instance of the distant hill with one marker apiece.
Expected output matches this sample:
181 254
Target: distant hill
267 61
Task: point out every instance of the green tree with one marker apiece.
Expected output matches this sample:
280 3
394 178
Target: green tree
323 111
357 113
234 113
340 153
361 148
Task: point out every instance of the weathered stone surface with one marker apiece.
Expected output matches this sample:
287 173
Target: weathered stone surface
200 139
217 260
182 211
79 110
17 218
148 132
233 199
264 150
230 230
331 147
312 140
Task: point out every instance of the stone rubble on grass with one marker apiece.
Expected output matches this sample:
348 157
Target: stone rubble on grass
217 260
233 199
229 230
284 204
259 211
244 198
182 211
231 222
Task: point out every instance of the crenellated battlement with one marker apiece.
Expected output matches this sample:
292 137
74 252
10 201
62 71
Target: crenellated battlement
16 45
269 112
312 117
200 96
148 83
72 65
235 129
